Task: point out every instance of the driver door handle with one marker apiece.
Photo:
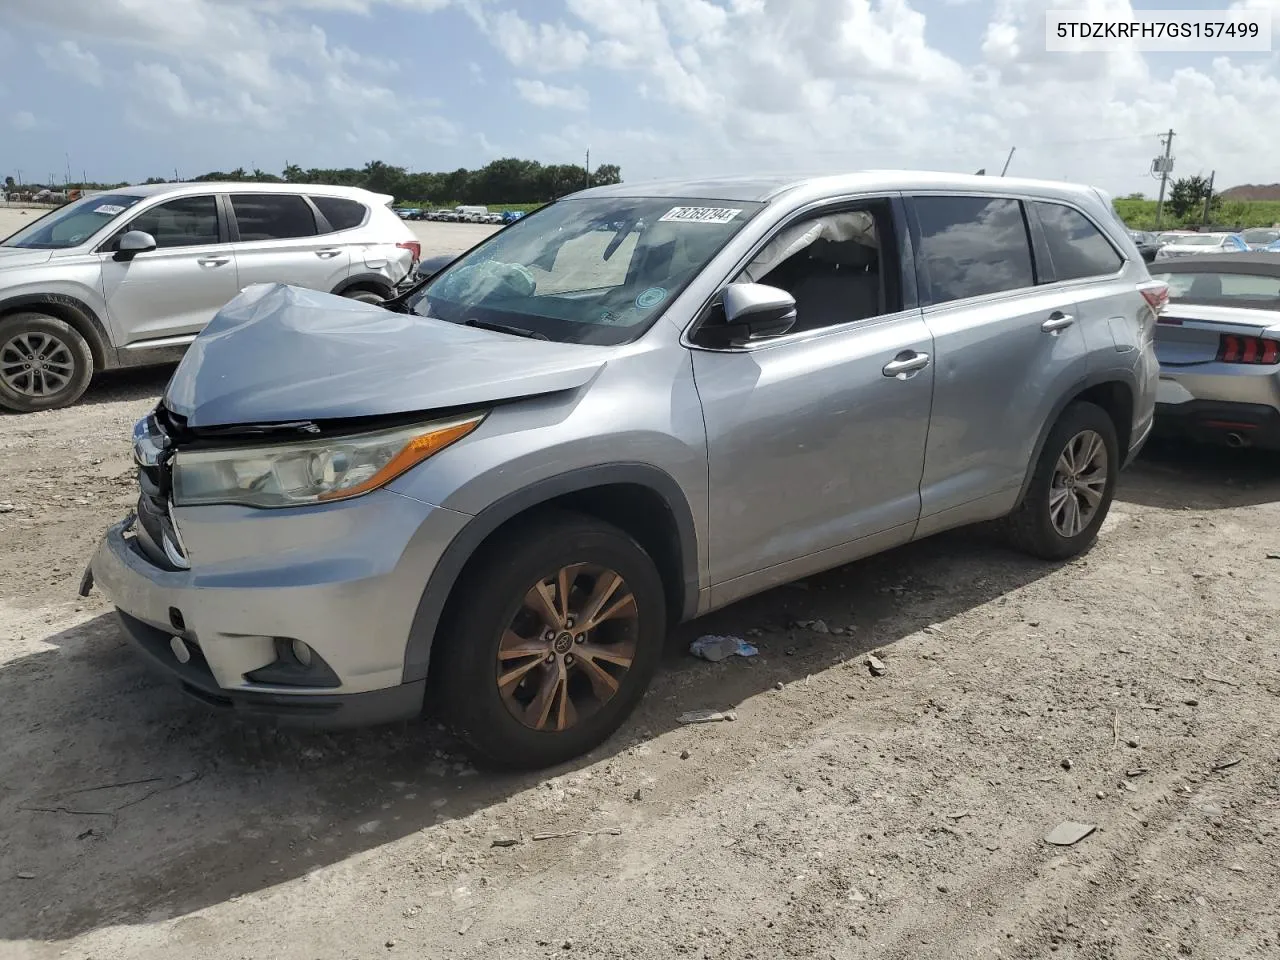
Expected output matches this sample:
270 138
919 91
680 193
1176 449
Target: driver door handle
327 253
905 364
213 261
1057 321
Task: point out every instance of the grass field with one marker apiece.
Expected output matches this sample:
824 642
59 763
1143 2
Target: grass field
1141 214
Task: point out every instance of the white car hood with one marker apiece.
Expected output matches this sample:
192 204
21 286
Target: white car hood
23 257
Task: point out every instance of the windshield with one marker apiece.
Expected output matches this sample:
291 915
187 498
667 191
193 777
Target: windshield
1205 287
1260 236
73 224
585 271
1199 240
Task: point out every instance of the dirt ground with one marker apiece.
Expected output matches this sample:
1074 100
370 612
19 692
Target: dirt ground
841 815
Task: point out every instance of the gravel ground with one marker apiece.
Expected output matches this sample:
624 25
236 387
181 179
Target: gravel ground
840 815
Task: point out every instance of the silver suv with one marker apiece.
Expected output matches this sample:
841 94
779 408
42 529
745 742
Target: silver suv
631 407
132 275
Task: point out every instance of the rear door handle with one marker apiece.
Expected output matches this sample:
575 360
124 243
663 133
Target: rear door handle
327 253
1057 321
213 261
905 364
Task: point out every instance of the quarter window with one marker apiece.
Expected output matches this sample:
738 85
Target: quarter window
182 222
272 216
341 213
972 246
1078 248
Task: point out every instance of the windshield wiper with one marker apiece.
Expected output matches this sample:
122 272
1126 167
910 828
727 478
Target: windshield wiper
504 328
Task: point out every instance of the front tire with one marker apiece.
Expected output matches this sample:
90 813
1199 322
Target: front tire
550 641
364 296
44 363
1072 486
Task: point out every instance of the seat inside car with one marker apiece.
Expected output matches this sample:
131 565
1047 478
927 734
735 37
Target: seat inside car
1206 285
832 281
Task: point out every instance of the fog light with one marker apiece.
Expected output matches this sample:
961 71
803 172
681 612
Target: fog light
179 648
301 652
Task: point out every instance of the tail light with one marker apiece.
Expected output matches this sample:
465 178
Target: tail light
1156 294
414 247
1254 350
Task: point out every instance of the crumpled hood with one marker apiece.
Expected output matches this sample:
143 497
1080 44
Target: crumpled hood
278 353
22 257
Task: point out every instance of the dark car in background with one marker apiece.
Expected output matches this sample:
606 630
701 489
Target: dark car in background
1218 342
1147 244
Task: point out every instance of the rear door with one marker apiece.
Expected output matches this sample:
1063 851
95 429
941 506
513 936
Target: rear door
280 240
175 289
1006 349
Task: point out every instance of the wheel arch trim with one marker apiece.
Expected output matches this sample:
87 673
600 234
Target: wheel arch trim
463 546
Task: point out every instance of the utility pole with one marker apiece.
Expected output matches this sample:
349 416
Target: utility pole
1007 161
588 166
1208 197
1165 166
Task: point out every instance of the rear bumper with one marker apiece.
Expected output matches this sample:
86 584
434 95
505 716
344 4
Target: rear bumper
1221 422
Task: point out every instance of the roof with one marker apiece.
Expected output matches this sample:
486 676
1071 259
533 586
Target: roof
766 187
239 186
1258 264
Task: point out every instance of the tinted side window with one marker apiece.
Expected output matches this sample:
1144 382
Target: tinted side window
341 214
272 216
184 222
1077 247
973 245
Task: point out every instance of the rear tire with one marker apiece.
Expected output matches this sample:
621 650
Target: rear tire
1072 486
44 363
364 296
575 687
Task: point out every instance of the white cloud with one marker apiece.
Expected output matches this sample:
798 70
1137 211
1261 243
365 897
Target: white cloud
236 63
69 57
546 47
545 95
23 120
843 84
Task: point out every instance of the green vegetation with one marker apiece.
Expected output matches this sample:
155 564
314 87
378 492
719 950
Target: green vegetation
526 184
1184 207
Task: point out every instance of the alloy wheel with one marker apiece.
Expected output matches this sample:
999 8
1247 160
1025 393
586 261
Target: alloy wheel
1079 483
36 364
568 647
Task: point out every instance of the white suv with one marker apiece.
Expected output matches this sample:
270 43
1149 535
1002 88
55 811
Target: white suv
130 276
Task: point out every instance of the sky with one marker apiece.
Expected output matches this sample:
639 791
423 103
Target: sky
127 89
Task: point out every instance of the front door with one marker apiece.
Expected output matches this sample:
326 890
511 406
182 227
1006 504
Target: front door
175 289
816 439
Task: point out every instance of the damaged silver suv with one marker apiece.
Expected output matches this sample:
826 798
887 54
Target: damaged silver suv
492 497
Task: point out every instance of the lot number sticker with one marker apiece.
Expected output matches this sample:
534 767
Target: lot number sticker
109 208
699 215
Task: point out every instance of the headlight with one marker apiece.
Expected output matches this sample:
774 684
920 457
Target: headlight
312 471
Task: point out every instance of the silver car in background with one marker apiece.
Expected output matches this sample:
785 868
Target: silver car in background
130 276
629 408
1200 244
1219 347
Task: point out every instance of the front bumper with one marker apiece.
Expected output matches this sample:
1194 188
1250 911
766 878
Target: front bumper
345 579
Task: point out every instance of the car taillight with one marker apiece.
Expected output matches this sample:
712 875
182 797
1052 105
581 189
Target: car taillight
414 247
1156 294
1257 350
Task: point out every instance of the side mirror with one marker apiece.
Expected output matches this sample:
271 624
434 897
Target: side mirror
133 243
755 311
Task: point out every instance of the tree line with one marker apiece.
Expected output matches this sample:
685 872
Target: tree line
1184 206
508 180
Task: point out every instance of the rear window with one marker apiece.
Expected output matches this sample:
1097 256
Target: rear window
972 246
272 216
341 213
1206 287
1076 247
